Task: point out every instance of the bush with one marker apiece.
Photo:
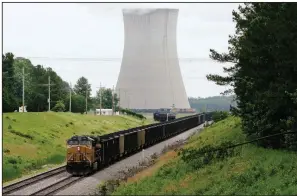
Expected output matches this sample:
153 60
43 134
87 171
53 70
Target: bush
130 113
198 158
11 172
219 115
59 107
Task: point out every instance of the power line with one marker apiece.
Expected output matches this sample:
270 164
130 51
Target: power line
112 58
251 141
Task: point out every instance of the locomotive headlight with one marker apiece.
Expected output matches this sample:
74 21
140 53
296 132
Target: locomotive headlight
78 148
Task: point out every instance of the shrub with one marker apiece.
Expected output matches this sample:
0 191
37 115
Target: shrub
219 115
131 113
11 172
59 107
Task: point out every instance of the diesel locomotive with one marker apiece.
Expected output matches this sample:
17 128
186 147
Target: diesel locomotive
86 154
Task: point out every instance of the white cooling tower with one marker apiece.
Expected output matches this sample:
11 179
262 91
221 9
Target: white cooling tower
150 77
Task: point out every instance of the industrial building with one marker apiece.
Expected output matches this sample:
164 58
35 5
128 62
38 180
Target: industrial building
150 76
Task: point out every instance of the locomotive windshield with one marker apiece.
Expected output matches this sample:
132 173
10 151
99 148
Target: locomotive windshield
73 142
79 141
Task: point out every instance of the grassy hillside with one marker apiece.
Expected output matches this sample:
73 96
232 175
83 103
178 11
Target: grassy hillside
249 170
31 140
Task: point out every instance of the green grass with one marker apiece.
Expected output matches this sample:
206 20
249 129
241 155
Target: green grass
32 140
250 171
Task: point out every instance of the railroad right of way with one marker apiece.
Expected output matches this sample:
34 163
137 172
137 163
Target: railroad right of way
58 179
89 184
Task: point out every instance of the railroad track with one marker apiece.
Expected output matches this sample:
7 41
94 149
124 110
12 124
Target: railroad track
50 190
19 185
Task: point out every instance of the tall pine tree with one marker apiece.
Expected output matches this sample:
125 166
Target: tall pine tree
263 51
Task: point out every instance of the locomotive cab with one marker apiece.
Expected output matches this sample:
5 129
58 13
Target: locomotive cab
82 155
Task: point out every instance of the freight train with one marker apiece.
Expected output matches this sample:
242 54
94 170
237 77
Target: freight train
163 116
87 154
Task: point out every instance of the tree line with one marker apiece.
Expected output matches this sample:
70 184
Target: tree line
264 72
36 89
214 103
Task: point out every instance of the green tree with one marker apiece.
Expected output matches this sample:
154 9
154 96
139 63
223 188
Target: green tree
214 103
39 92
263 75
19 64
78 104
10 101
36 89
59 107
106 94
82 87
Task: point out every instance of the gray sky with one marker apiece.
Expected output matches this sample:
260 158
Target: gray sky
91 36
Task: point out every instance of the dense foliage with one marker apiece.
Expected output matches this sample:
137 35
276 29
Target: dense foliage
131 113
36 85
214 103
263 76
106 99
36 89
219 115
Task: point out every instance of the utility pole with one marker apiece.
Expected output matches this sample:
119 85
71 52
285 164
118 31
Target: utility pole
86 100
70 98
100 98
129 102
23 89
119 100
49 93
113 108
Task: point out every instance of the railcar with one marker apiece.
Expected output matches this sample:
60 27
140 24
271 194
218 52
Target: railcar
86 154
163 116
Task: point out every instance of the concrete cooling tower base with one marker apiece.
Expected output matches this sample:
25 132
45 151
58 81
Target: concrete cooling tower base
150 76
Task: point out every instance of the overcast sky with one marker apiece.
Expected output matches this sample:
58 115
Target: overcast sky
77 39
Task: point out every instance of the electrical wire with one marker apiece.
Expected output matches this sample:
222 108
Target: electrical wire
255 140
107 59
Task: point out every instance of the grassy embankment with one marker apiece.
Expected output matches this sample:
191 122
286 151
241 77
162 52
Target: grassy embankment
250 170
33 141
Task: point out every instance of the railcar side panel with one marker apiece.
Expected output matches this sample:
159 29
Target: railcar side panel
110 148
141 138
131 141
122 143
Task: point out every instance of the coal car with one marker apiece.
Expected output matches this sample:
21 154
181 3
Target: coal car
86 154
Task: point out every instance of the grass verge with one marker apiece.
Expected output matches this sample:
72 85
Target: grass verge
245 170
33 141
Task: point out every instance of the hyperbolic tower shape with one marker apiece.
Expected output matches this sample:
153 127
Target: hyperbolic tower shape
150 76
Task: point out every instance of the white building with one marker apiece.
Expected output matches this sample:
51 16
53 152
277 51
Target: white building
150 76
21 109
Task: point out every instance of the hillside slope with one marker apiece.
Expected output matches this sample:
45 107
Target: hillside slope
249 170
31 140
